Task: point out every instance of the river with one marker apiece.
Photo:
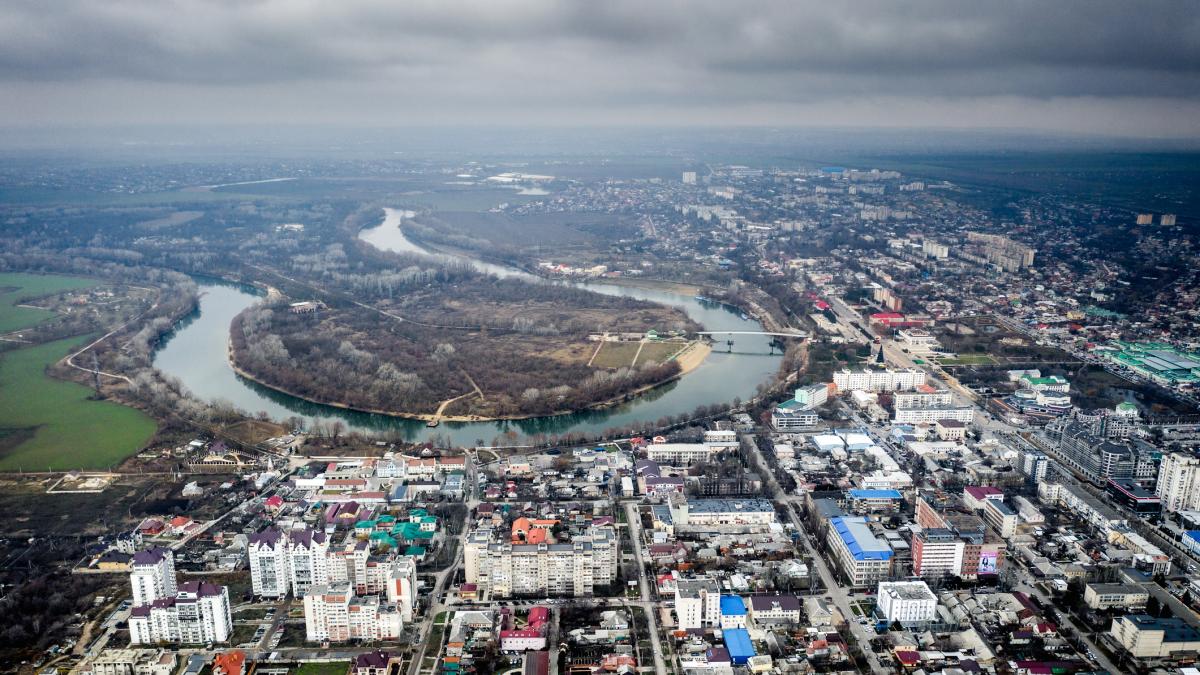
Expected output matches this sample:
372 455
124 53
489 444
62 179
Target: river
195 353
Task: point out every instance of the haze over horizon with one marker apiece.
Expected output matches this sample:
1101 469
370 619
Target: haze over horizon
1107 68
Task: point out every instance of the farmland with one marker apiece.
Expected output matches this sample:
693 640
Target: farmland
52 424
17 288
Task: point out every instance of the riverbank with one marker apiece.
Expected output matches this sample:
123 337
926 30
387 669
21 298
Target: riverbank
690 358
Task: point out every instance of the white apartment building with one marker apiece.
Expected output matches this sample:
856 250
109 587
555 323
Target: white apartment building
698 603
906 601
964 414
402 587
679 454
198 613
879 380
335 614
152 575
505 569
732 512
1179 482
941 398
283 562
1001 517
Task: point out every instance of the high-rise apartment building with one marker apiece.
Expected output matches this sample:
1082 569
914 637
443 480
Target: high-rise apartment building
575 568
152 575
1179 482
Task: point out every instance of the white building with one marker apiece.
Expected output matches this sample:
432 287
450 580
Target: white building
906 601
1179 482
793 419
401 588
335 614
1001 517
721 439
152 575
505 569
757 514
964 414
198 613
879 380
283 562
679 454
689 177
937 398
812 396
698 603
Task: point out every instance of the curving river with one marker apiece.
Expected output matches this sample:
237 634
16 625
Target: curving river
195 353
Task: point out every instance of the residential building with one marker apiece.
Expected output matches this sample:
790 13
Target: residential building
909 602
292 561
152 575
698 603
232 662
1179 482
198 613
576 568
923 397
878 380
964 414
863 558
332 613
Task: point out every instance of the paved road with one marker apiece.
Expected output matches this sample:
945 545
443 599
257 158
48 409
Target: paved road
635 533
834 590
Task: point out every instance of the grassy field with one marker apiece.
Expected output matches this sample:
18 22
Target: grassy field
53 425
615 355
620 354
334 668
657 352
968 360
17 287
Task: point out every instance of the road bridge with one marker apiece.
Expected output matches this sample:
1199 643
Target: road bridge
750 332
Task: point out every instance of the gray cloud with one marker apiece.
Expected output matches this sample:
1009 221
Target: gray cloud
621 60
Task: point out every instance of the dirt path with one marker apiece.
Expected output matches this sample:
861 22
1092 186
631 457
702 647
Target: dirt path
638 353
599 346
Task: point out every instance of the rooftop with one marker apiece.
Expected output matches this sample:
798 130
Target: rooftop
858 538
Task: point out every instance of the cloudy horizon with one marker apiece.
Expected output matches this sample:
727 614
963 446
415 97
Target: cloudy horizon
1106 68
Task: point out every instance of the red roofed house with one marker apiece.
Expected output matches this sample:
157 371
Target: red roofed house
232 662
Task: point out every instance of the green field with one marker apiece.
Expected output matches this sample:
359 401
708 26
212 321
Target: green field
968 360
51 424
17 287
311 668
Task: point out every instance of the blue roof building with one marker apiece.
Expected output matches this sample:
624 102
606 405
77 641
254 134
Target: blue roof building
863 558
737 641
732 605
875 494
1191 541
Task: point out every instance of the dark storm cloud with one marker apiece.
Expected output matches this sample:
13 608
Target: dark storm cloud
591 56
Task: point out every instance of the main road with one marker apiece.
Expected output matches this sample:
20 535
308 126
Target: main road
835 591
635 534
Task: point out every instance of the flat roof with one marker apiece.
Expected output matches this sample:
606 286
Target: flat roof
874 494
858 538
730 506
732 605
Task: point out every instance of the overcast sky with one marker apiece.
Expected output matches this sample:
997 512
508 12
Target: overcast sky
1124 68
